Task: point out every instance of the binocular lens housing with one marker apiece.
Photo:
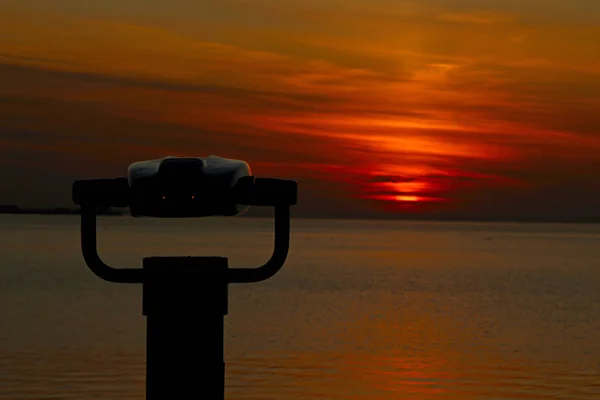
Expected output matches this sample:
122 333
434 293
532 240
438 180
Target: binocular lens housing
185 187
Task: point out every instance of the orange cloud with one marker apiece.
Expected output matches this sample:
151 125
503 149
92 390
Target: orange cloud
481 17
433 95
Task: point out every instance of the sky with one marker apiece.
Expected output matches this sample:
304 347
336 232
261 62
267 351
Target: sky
470 109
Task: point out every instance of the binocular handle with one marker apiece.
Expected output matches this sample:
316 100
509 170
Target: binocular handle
280 194
93 260
280 252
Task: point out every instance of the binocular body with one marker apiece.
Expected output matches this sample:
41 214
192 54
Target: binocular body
175 187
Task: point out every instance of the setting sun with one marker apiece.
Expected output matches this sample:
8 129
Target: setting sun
408 198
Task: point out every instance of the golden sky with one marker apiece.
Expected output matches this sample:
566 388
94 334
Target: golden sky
487 108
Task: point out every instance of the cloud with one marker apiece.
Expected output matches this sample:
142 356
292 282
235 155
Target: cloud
480 17
440 96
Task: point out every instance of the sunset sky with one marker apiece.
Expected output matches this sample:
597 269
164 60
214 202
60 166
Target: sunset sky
430 108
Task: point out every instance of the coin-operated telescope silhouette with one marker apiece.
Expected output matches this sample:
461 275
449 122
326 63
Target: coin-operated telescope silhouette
185 298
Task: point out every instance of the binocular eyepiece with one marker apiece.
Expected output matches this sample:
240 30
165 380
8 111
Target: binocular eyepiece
175 187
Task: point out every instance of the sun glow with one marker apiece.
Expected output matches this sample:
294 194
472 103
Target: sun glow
408 198
410 185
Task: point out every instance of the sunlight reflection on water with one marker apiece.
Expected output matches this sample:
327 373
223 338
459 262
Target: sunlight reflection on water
363 310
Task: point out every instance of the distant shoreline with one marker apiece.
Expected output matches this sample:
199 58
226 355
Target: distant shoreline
124 212
57 211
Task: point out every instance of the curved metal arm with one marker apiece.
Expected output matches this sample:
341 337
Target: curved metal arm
282 245
90 253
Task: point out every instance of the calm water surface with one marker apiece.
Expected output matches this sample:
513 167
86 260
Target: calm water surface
362 310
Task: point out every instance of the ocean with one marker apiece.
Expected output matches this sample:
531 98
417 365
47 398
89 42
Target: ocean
361 310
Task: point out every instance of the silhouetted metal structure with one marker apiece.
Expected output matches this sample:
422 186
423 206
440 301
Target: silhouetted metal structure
185 298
